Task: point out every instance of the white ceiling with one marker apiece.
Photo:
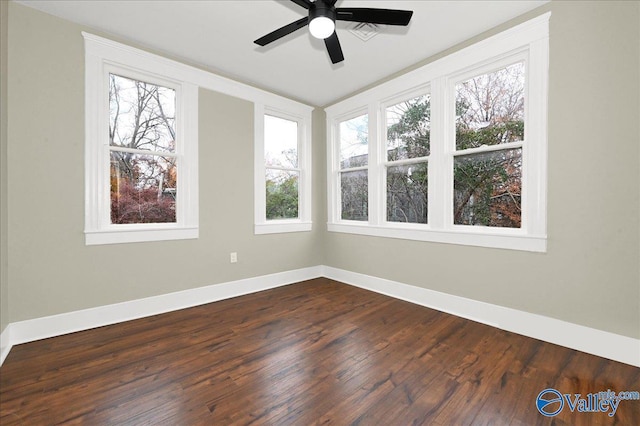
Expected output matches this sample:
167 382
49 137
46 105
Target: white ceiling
218 35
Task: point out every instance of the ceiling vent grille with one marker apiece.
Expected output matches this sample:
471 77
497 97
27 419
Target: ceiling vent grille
364 31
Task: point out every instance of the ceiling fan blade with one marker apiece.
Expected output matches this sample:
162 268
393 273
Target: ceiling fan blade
304 3
334 49
281 32
374 16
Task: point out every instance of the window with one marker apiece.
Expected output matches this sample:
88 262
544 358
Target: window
487 165
408 133
453 152
141 146
354 160
283 171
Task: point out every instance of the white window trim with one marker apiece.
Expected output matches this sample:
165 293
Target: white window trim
530 40
102 57
301 114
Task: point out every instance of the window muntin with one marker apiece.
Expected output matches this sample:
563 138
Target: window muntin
490 129
354 159
408 139
142 146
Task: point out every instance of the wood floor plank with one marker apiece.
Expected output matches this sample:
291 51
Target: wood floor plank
316 352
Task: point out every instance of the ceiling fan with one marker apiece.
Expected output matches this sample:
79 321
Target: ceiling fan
322 22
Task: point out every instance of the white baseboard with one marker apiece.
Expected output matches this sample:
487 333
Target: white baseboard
5 343
597 342
70 322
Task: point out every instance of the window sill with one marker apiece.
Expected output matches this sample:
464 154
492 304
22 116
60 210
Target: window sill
281 226
480 237
139 235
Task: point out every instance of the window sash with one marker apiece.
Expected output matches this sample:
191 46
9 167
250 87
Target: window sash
289 174
366 198
404 163
470 195
298 140
340 147
414 93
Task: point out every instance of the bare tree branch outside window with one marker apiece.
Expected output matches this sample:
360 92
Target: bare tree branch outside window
142 140
490 112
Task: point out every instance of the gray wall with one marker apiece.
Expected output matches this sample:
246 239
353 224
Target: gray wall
4 282
590 274
50 269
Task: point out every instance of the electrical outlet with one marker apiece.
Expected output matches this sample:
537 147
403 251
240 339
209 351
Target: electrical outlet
233 257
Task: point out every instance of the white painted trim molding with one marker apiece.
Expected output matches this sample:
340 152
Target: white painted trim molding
5 343
71 322
597 342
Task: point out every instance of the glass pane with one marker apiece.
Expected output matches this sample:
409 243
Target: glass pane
280 142
141 115
282 194
354 142
409 128
490 108
143 188
354 196
487 189
407 193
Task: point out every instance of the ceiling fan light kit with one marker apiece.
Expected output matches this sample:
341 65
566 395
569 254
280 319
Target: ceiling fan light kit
321 20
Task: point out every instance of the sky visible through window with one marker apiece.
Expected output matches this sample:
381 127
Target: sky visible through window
354 141
280 142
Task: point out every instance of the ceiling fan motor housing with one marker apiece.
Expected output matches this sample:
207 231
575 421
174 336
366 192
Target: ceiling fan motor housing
321 9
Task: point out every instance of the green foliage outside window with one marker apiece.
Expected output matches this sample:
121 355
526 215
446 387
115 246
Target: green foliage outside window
282 198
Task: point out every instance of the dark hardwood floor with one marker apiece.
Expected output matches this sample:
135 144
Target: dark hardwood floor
317 352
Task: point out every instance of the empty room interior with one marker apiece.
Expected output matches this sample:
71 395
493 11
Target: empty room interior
320 212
